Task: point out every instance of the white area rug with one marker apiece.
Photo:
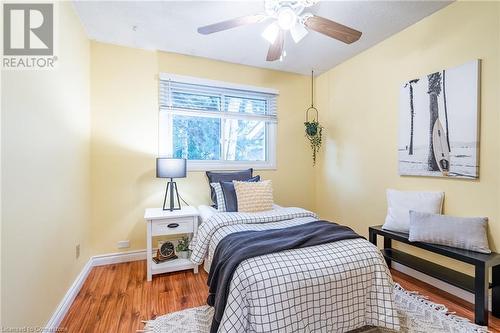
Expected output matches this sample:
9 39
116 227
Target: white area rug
416 315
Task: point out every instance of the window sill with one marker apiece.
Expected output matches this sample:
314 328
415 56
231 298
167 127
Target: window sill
221 166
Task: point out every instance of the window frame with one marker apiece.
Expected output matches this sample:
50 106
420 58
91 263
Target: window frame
165 126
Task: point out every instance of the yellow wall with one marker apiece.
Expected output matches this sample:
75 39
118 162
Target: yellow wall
125 138
359 100
94 121
45 178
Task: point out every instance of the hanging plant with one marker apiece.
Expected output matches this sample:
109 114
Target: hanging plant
313 127
313 134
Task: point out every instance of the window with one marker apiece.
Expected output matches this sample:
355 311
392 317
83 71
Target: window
217 125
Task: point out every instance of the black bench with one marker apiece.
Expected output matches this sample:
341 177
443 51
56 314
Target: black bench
478 285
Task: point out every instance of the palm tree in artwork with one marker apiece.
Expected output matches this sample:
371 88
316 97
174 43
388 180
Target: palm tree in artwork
412 113
446 111
434 91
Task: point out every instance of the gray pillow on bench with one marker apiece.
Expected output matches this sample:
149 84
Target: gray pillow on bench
467 233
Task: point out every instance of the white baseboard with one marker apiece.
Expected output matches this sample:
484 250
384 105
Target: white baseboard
463 294
117 258
68 299
99 260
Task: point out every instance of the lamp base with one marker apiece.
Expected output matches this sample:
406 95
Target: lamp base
170 192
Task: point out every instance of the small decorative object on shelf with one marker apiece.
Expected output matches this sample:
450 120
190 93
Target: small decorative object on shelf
165 252
183 248
313 127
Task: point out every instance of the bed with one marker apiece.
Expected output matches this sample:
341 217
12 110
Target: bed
333 287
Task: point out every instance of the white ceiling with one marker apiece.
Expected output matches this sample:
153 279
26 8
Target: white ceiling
171 26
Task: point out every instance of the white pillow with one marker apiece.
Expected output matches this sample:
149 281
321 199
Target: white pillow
399 204
467 233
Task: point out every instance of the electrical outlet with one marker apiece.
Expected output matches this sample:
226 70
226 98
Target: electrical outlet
125 244
77 251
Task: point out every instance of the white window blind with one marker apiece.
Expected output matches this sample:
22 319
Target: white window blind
217 125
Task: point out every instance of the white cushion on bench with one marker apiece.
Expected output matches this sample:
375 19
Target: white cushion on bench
399 204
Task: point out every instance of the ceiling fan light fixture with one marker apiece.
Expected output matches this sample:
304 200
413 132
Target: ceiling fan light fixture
286 18
271 32
298 31
287 15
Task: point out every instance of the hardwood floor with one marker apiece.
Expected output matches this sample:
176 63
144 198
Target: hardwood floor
116 298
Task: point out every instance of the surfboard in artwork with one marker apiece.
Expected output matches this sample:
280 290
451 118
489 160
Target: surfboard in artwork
440 145
452 96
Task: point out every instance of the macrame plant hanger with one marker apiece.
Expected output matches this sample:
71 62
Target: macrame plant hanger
312 108
313 128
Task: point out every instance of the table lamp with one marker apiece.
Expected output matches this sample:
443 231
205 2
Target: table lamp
171 168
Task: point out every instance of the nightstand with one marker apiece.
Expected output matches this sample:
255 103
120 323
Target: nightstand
169 223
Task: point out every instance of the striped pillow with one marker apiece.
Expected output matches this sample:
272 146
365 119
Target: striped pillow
219 195
254 197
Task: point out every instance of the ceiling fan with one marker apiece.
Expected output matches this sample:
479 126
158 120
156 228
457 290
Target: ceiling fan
287 15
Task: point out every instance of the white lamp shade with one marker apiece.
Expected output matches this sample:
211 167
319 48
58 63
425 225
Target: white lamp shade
170 167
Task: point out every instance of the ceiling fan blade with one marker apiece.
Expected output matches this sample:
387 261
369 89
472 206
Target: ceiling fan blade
229 24
276 48
332 29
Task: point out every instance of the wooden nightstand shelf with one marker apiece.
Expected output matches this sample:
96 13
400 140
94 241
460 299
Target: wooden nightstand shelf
166 223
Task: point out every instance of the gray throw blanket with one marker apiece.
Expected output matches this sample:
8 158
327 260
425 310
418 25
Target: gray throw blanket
237 247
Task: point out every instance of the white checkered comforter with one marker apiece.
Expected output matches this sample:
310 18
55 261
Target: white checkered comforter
335 287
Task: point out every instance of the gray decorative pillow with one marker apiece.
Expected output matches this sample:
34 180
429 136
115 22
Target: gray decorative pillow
226 176
226 195
467 233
